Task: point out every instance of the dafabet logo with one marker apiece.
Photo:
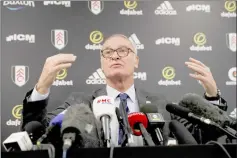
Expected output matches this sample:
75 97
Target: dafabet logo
131 8
61 75
16 113
96 37
168 74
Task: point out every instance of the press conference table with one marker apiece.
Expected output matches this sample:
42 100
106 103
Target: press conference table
182 151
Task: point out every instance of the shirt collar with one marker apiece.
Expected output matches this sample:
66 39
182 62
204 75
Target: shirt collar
114 93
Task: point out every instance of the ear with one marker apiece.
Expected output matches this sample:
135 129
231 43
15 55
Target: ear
136 62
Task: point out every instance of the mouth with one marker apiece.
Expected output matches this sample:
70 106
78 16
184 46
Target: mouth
116 65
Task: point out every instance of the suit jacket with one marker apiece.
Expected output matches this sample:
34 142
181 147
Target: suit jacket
36 111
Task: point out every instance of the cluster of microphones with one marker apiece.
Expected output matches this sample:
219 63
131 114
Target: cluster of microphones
83 125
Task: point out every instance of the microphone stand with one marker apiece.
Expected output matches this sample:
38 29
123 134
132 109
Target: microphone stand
127 128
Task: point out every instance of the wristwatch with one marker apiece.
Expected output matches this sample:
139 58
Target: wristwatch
217 97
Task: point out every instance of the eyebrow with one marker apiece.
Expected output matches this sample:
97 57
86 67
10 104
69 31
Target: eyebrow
108 47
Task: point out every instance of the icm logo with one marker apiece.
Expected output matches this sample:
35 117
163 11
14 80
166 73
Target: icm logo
200 40
136 41
199 7
18 5
165 8
61 75
96 37
230 7
232 76
16 113
131 8
21 37
140 75
169 74
65 3
168 40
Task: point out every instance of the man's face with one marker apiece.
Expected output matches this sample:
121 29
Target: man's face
116 66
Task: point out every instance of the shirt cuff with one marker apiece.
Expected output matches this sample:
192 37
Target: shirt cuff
217 102
36 96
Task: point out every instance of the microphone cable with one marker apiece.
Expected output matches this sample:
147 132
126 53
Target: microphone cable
221 146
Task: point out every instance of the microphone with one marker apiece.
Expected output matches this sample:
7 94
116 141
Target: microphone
35 130
19 141
181 133
104 111
186 113
80 127
202 107
138 122
156 122
54 127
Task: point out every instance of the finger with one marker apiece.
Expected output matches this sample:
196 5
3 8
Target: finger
197 62
199 70
194 64
62 66
198 77
63 58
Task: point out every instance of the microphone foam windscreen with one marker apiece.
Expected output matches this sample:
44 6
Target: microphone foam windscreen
200 106
149 108
35 130
135 118
80 119
181 133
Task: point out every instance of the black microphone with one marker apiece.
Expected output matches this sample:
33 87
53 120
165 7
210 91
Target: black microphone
186 113
35 130
80 127
156 122
181 133
200 106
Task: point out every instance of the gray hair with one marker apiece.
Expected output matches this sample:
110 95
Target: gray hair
121 35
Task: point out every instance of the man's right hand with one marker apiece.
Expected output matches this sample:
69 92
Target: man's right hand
52 66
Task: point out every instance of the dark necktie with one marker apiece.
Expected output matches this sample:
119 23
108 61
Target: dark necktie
123 105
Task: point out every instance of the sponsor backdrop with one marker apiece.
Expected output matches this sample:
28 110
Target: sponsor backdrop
166 34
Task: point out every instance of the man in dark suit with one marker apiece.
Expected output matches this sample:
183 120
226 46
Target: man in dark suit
118 61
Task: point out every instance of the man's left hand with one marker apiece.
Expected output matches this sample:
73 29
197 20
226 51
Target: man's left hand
204 75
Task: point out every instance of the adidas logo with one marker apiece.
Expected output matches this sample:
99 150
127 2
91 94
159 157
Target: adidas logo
97 77
133 38
165 8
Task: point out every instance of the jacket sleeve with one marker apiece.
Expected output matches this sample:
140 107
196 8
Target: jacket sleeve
37 110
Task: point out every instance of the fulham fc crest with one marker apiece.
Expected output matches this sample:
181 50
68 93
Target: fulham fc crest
20 74
96 7
59 38
231 41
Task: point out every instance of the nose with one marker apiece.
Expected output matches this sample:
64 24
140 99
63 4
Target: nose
115 56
